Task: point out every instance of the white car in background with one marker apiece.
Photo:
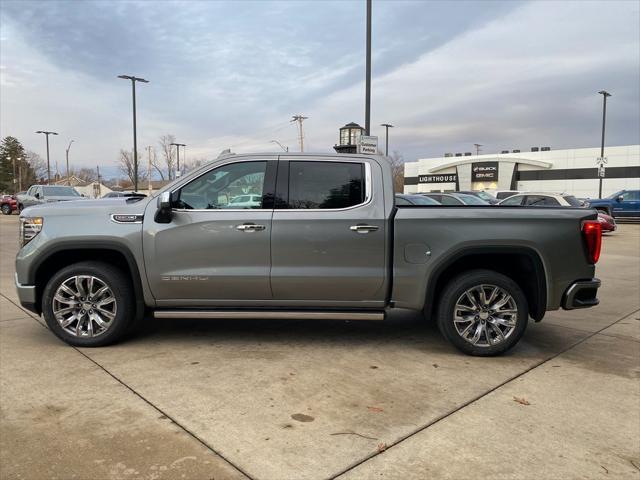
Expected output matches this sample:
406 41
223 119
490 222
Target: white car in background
245 201
541 199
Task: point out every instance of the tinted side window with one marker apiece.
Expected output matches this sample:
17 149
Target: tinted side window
631 196
224 185
325 184
402 201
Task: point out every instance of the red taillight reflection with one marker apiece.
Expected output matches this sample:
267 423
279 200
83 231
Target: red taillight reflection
592 232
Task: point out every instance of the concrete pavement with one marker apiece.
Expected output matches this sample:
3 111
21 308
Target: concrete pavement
307 400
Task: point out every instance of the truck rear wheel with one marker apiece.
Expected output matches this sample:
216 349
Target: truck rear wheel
483 313
89 304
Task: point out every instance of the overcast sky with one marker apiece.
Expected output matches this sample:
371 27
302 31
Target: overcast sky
505 74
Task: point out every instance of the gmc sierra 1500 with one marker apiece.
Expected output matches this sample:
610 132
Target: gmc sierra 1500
319 237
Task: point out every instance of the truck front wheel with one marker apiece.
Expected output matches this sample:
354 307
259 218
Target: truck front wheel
483 313
88 304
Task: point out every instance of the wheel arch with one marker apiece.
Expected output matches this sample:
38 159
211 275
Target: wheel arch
59 256
518 263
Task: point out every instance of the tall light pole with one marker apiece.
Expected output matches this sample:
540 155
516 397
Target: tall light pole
68 178
386 126
604 94
46 134
135 139
178 145
367 101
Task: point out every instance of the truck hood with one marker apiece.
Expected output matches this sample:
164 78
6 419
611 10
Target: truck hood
103 206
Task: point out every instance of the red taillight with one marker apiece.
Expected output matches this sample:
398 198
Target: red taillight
592 232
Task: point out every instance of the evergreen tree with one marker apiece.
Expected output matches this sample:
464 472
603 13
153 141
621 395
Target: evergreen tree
11 150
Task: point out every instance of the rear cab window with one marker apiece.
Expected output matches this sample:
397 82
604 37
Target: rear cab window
325 185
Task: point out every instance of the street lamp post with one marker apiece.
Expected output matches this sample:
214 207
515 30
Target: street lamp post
604 94
178 145
386 126
367 101
68 178
46 134
135 139
284 149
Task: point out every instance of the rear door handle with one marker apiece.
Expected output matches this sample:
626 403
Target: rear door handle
363 228
250 227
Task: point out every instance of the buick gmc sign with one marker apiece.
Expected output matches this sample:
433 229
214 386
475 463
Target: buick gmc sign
483 171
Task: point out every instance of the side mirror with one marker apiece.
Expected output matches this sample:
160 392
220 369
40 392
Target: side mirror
37 195
163 214
620 198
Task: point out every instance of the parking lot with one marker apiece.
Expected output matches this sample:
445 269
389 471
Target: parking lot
319 399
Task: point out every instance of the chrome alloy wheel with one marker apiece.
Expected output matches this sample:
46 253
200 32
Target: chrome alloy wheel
485 315
84 306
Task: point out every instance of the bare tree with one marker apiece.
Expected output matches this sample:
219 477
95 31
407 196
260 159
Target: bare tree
155 164
397 169
126 167
167 153
194 163
37 164
86 174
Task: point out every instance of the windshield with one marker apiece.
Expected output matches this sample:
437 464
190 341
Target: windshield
573 201
61 191
471 200
613 196
485 196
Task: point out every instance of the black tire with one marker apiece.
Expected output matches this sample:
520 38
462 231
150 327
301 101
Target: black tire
6 209
120 285
454 291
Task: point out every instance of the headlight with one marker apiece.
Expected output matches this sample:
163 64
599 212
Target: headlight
29 228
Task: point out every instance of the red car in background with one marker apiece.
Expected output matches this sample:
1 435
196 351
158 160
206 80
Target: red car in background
607 222
8 204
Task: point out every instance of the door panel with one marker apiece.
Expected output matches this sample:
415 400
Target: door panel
318 254
209 252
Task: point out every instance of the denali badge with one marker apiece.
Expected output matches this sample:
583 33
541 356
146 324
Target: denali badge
184 278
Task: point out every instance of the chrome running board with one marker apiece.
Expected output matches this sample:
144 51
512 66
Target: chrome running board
270 314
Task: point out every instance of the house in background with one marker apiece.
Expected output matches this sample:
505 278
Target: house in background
84 188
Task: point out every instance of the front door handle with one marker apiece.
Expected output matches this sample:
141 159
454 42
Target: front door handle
363 228
250 227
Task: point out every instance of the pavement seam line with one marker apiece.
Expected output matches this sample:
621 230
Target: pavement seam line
475 399
140 396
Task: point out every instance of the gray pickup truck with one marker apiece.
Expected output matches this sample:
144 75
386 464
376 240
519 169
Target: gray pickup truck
323 239
38 194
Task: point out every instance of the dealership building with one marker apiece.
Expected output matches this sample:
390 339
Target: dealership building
541 169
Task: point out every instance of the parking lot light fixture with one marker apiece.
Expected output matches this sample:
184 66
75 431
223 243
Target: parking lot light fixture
135 139
46 134
178 145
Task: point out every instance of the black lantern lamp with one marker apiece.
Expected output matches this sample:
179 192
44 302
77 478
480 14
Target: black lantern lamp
349 138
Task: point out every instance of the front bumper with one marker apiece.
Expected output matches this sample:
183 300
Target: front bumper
581 294
26 295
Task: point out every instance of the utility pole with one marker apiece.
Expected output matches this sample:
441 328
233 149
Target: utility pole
68 179
135 138
602 161
149 187
178 145
99 183
299 118
477 145
46 134
20 176
367 101
386 126
13 161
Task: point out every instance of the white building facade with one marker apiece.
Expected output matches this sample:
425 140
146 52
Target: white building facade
573 171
